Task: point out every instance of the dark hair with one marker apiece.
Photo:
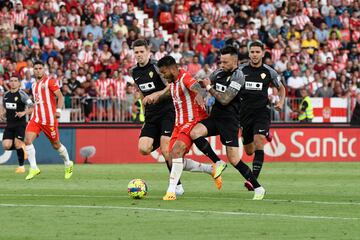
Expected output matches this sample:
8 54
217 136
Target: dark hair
39 63
229 49
257 44
166 61
140 42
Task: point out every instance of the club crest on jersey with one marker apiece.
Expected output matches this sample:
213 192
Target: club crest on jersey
220 88
43 85
16 98
253 86
263 75
151 74
145 87
228 78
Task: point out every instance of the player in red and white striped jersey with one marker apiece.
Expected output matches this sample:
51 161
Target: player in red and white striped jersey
44 118
189 105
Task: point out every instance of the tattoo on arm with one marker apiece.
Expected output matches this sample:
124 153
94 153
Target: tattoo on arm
198 89
224 97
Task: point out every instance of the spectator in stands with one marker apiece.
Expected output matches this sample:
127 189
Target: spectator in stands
94 29
116 44
27 82
73 83
182 21
176 53
325 91
194 66
161 53
120 26
355 118
156 41
305 111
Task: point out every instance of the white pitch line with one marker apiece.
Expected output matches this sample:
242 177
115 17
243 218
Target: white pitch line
215 198
183 211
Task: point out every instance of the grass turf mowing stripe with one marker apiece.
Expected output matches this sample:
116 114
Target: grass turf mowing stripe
183 211
215 198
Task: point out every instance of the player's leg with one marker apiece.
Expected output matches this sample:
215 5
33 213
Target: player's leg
178 150
201 130
234 158
52 133
149 139
31 132
20 147
261 130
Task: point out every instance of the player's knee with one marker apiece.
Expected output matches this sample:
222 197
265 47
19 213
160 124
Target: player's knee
7 146
177 152
144 150
249 150
259 143
18 145
56 145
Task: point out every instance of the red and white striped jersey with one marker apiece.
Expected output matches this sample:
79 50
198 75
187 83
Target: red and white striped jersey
301 21
334 45
186 110
276 54
119 88
105 87
45 101
181 19
21 17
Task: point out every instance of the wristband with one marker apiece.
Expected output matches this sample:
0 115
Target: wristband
208 87
58 110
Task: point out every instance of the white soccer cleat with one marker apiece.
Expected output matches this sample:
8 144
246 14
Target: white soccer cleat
259 193
179 190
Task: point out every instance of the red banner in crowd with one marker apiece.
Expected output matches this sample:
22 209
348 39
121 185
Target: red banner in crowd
289 144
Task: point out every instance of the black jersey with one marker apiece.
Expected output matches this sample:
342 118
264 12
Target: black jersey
148 80
222 80
254 94
15 102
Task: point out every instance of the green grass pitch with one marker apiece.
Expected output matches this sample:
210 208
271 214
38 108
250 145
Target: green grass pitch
303 201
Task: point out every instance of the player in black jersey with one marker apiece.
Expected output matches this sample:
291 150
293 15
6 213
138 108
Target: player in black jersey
255 110
224 117
159 117
16 104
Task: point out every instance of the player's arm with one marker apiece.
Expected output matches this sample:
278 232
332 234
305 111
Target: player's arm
276 80
200 94
237 80
28 103
159 95
60 102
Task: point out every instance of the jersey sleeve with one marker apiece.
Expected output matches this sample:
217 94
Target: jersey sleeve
275 78
189 81
237 80
26 99
214 75
53 86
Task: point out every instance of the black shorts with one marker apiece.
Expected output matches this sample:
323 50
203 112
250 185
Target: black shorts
253 122
227 128
159 125
12 132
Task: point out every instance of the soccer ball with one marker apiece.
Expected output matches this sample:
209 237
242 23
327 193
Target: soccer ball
137 188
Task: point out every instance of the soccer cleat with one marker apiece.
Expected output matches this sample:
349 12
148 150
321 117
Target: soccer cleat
259 193
69 170
179 190
269 137
32 173
20 169
218 182
169 196
218 168
249 186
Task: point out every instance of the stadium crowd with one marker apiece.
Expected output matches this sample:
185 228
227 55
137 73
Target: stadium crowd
86 44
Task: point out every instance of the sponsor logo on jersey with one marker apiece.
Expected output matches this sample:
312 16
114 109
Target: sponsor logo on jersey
220 88
145 87
253 86
11 106
263 75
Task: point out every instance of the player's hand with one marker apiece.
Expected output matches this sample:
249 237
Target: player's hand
279 106
200 101
19 114
204 82
150 99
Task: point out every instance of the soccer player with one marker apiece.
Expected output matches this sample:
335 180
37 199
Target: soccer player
187 96
255 109
224 117
44 118
159 117
17 105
